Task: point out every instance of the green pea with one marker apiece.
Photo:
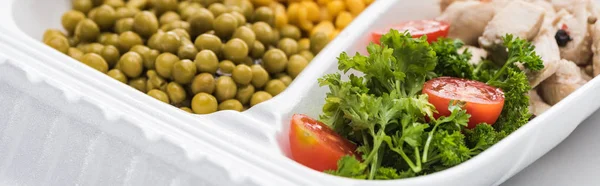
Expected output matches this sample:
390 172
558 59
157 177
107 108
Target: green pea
295 65
59 43
87 30
145 23
129 39
176 93
225 88
204 103
75 53
162 6
231 104
139 84
245 93
109 39
159 95
70 19
186 109
242 74
168 17
124 25
111 55
95 61
259 76
246 34
164 64
105 16
201 22
275 86
117 75
288 46
258 50
208 42
203 82
259 97
226 67
82 5
224 25
235 50
184 71
187 52
207 61
131 63
275 61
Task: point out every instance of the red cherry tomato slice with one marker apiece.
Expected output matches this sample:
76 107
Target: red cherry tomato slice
433 30
315 145
483 102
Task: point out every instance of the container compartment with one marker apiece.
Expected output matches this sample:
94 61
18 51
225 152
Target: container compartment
258 135
52 133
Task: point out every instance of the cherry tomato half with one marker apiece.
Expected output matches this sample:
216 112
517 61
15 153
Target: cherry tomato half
433 30
315 145
483 102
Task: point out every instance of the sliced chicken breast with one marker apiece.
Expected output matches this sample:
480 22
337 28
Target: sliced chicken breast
596 49
477 54
519 18
578 49
537 106
566 80
444 4
547 49
468 19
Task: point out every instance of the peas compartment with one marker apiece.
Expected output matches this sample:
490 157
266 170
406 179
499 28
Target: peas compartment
215 55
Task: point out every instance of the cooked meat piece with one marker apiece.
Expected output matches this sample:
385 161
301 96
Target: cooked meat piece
550 67
519 18
584 74
570 5
468 19
566 80
547 49
562 4
537 106
576 25
446 3
596 49
549 11
589 70
476 53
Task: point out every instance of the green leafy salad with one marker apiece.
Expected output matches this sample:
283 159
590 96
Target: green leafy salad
396 128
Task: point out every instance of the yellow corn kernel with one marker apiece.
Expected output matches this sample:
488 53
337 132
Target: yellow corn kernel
335 7
280 20
277 7
333 34
325 16
312 10
343 20
324 26
303 21
323 2
258 3
368 2
303 44
355 6
292 12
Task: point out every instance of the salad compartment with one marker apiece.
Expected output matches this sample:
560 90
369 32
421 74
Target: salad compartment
492 167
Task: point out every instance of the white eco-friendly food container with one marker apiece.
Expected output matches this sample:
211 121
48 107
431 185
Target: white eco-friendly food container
68 124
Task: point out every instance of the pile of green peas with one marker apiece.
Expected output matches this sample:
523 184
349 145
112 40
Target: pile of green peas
198 55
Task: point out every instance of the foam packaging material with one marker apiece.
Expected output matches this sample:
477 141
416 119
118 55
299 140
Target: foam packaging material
63 123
